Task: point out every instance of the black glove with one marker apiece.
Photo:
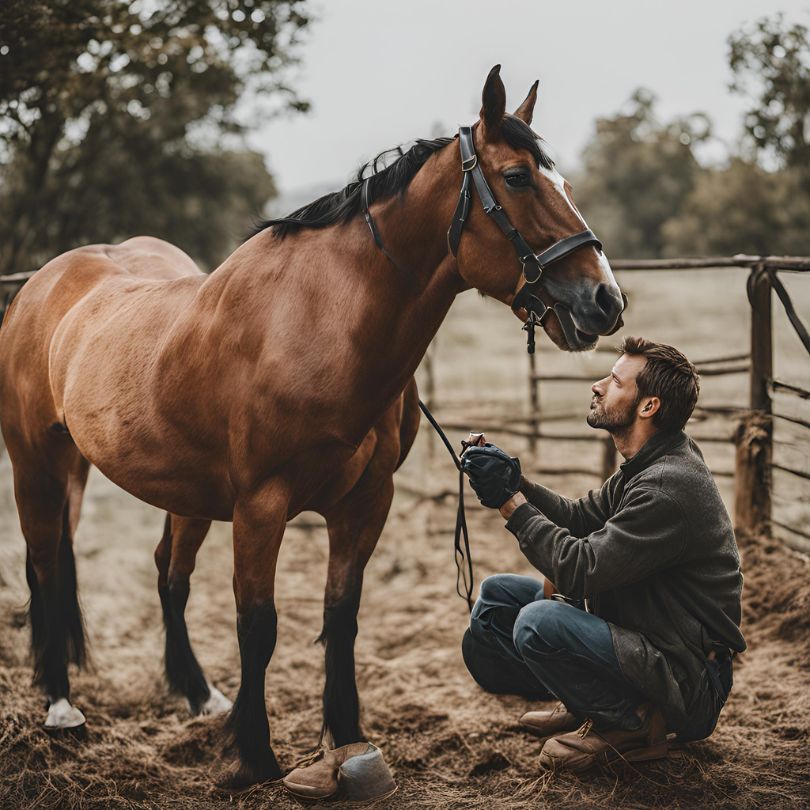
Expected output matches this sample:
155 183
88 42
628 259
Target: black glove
494 476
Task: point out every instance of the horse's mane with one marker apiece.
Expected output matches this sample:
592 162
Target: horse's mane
387 178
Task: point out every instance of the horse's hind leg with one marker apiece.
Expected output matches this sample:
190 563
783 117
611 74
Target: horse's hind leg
175 557
48 502
354 526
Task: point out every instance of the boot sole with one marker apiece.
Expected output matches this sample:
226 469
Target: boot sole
307 792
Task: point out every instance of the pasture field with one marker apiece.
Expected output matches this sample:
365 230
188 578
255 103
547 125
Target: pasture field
450 745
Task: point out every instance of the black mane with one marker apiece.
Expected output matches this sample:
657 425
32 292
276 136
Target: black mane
389 178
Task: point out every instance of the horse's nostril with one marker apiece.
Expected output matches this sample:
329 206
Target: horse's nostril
609 303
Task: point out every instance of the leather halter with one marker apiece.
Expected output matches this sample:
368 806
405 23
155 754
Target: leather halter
533 264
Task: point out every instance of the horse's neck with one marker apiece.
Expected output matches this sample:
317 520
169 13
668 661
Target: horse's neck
350 321
402 295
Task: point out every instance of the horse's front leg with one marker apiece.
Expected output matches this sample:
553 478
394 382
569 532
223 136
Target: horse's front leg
354 525
258 527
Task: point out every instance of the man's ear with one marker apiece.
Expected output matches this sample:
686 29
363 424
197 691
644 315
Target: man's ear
650 408
493 105
526 110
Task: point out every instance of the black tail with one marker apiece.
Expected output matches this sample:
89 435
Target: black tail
57 627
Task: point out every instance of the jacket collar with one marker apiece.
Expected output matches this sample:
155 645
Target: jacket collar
654 448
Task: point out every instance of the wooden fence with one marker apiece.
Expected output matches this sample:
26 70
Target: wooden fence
750 428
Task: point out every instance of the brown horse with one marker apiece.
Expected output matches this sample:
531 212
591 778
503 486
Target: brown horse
281 382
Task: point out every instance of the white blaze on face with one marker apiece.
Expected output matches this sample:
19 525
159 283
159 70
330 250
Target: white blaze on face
558 181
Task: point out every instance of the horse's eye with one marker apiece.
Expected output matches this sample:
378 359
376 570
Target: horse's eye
518 179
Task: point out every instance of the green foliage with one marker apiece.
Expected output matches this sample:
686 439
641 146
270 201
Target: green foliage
759 202
646 194
637 172
742 208
121 118
771 66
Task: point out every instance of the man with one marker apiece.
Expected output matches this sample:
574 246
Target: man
641 645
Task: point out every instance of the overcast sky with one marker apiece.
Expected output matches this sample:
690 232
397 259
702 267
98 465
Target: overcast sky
380 72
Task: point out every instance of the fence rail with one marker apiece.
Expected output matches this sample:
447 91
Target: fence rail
752 425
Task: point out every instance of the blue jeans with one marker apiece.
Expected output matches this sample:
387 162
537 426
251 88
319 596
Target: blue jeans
520 643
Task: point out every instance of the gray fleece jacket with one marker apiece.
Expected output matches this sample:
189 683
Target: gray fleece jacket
654 552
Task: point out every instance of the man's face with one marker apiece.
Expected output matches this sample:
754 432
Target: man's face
615 397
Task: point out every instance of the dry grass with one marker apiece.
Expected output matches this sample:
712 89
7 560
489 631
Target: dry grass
449 744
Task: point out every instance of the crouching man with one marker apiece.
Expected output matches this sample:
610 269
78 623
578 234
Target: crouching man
638 641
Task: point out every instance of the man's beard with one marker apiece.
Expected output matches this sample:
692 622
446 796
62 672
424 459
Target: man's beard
613 420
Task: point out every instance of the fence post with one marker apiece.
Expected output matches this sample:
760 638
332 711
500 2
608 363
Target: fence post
534 404
754 435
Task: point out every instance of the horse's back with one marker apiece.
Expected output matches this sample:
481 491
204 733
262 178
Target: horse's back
64 280
86 278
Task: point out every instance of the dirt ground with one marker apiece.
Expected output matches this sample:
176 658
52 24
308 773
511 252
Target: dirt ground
449 744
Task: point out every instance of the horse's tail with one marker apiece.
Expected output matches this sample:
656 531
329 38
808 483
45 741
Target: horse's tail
57 626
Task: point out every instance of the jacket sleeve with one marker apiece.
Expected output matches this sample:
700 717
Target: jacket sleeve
580 517
645 536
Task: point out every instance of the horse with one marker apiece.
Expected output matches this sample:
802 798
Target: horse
278 383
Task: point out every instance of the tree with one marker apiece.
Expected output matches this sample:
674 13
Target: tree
742 208
636 174
122 117
771 65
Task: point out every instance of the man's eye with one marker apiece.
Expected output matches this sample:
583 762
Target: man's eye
518 180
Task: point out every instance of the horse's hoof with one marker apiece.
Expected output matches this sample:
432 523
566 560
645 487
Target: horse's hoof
217 703
64 718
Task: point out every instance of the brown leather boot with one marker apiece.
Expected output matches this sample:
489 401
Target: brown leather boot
320 779
359 769
586 747
548 723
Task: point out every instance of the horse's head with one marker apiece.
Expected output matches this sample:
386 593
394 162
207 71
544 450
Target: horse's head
532 206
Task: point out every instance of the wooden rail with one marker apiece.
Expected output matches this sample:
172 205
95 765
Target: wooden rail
753 431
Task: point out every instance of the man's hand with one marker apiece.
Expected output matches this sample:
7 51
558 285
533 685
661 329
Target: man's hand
494 476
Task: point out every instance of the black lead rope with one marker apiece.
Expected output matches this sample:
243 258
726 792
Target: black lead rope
463 558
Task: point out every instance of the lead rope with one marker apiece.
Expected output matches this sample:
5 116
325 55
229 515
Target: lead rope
461 553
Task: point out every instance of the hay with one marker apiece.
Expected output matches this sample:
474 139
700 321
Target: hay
449 744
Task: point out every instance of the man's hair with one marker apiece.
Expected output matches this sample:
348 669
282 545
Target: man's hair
667 375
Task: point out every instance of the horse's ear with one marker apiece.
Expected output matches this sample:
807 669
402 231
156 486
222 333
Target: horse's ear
526 110
493 106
